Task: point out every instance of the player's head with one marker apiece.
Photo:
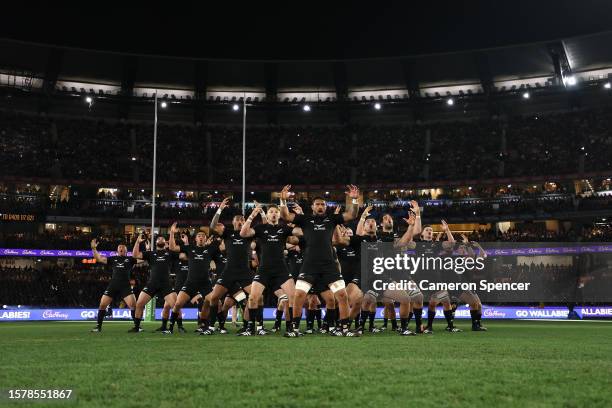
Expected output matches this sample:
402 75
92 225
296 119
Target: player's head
219 228
319 206
200 238
238 221
387 222
370 226
121 250
427 233
273 214
160 243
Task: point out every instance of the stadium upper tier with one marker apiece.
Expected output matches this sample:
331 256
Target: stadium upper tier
571 145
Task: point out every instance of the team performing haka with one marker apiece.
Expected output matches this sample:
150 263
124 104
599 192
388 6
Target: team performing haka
305 260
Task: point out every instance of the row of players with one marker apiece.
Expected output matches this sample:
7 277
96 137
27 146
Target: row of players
300 259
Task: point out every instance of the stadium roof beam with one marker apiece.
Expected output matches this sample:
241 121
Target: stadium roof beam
413 87
561 64
128 79
342 91
200 87
52 70
271 78
486 81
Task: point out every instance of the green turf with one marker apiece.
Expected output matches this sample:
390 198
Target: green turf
541 364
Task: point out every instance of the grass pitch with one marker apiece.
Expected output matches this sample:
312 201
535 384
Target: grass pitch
514 364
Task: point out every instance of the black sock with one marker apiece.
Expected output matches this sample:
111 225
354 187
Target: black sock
385 322
310 318
296 322
212 316
101 314
474 317
372 317
448 314
404 323
133 313
318 317
137 322
221 316
289 318
394 324
431 314
252 319
330 317
164 325
363 318
179 320
344 323
260 321
279 318
172 319
418 318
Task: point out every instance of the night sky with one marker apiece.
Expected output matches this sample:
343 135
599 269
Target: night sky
301 30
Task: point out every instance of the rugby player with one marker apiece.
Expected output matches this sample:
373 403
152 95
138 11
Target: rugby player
236 278
319 265
272 272
160 261
197 285
119 286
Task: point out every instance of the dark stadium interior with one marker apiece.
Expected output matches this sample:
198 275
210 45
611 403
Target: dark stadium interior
483 131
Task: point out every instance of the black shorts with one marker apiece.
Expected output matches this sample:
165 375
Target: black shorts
318 288
162 289
234 283
272 282
117 290
351 273
320 276
179 281
195 288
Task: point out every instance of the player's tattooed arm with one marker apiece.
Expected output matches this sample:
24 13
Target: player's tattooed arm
136 254
406 241
450 239
217 215
352 210
246 231
364 215
172 241
417 218
284 210
94 248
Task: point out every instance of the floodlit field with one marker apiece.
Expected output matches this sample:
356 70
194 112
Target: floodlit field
521 363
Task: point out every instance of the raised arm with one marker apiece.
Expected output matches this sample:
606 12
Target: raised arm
450 240
215 219
364 215
417 218
172 241
353 208
284 210
136 254
246 231
407 239
94 248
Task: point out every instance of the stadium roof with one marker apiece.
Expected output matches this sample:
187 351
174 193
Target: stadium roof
396 48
